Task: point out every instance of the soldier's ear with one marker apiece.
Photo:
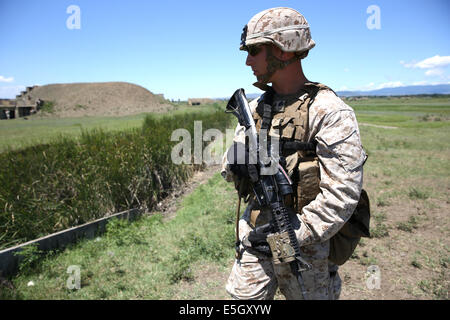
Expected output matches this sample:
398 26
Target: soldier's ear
281 55
276 51
285 56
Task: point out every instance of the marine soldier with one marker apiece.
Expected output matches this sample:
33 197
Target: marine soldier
327 177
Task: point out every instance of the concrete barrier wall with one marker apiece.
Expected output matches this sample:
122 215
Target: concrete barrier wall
9 260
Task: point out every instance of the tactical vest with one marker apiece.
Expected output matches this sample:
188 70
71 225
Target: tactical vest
290 123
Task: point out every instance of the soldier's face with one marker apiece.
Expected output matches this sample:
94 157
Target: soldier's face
256 59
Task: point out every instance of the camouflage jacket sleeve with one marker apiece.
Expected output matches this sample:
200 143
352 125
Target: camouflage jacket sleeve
341 157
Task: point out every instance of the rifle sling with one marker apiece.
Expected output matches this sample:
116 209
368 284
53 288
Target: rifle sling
299 145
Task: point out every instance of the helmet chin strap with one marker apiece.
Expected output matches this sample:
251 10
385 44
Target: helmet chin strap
273 64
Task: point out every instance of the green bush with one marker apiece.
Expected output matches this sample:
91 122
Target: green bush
48 106
28 256
50 187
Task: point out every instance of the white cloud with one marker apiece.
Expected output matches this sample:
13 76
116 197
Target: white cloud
3 79
429 83
392 84
430 63
420 83
407 64
433 62
435 72
435 65
372 86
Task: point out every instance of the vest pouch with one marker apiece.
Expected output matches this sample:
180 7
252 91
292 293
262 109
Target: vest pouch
288 128
344 242
308 182
342 246
282 128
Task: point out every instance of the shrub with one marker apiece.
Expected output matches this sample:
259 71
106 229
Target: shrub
50 187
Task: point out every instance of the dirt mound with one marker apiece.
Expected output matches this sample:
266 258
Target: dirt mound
98 99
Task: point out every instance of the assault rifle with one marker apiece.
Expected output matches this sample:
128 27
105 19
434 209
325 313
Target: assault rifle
270 191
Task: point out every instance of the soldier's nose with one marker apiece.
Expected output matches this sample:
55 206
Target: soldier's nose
249 60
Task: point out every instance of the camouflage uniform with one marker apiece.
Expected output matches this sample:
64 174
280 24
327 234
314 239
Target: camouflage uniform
339 159
333 125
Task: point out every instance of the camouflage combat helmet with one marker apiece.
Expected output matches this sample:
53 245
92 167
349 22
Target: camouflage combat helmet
284 27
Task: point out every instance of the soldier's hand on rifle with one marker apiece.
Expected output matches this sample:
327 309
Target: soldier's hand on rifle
240 162
243 172
243 186
257 239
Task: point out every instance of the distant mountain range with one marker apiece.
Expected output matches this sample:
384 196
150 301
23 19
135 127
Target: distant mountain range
400 91
396 91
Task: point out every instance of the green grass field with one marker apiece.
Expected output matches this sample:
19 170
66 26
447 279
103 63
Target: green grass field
20 133
407 177
405 112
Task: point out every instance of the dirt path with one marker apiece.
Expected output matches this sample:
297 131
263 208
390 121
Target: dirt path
170 205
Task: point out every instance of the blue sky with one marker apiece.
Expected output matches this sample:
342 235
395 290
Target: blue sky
190 48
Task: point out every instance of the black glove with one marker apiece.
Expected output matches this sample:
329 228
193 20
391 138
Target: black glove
243 187
240 170
245 171
239 161
257 239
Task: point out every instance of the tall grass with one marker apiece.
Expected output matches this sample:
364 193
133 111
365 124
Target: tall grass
145 259
20 133
49 187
